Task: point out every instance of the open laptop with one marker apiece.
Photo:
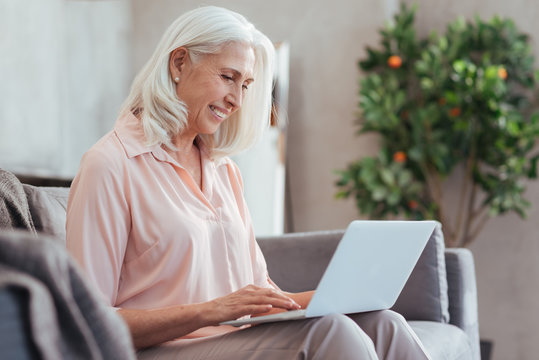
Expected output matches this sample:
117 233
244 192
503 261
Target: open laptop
367 271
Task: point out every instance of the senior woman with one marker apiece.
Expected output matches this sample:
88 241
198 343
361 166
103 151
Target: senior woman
156 215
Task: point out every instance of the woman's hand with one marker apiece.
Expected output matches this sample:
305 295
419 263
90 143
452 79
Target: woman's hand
302 299
250 300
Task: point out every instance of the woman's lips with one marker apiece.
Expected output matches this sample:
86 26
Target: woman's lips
217 112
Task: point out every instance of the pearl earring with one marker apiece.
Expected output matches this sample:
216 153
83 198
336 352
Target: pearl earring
176 79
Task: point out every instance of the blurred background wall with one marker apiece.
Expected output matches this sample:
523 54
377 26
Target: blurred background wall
64 70
66 66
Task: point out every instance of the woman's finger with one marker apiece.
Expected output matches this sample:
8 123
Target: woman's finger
272 294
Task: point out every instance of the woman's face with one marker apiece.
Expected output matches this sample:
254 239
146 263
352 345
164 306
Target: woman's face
214 86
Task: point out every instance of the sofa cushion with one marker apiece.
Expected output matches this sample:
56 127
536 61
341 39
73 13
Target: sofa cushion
297 261
424 296
443 341
48 208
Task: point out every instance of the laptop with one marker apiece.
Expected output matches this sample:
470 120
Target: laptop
367 272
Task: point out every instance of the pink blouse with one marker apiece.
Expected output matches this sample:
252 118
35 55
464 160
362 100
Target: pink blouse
146 234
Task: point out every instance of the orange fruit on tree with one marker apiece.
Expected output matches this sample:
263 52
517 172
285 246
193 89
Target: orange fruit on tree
412 204
454 112
394 61
399 156
502 73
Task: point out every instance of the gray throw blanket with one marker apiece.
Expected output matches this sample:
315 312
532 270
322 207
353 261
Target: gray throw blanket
14 210
67 321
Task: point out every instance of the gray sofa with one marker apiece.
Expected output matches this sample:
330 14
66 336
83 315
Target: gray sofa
439 300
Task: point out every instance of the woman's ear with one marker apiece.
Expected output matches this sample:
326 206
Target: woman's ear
178 60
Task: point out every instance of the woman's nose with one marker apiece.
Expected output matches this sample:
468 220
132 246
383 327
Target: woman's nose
235 97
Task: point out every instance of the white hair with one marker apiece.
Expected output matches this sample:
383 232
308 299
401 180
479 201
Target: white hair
203 31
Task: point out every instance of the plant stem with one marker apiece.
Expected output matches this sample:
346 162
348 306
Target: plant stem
435 191
459 231
480 212
481 224
471 163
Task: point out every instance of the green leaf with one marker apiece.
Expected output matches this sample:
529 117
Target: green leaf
427 84
532 172
393 198
342 194
404 178
379 193
512 128
387 176
459 66
416 154
493 211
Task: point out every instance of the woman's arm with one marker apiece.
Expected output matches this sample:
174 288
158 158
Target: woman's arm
98 220
152 327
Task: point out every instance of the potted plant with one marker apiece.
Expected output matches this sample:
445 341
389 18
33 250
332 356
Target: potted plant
452 104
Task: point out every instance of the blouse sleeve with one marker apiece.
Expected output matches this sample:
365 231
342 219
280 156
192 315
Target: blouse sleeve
260 271
98 221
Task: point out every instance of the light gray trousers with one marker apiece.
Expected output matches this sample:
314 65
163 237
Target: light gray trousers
380 335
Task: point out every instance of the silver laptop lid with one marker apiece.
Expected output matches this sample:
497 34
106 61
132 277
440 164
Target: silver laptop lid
370 266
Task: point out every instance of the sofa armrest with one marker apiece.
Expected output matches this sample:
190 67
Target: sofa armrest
462 292
297 261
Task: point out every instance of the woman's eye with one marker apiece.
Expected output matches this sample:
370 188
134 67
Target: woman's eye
245 87
226 77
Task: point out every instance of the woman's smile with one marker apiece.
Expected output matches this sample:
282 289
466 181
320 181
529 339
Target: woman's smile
221 115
